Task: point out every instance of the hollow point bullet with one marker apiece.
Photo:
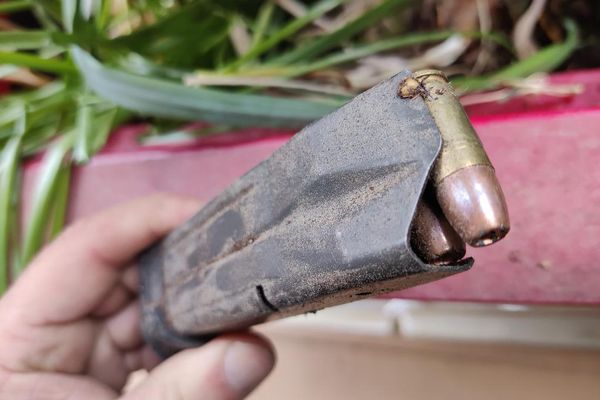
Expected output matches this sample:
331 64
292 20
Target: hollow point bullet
432 237
463 178
472 199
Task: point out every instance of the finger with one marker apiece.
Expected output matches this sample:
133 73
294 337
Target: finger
117 298
226 368
121 334
124 328
77 271
37 385
113 368
131 278
141 358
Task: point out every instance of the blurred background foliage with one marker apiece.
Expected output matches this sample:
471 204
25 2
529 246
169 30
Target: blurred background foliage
73 70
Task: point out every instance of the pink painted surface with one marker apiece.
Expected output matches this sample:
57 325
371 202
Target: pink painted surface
548 167
546 161
585 82
202 172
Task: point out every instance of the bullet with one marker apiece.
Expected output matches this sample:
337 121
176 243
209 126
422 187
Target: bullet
432 238
472 199
463 178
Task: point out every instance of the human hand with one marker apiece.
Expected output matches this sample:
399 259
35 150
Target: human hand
70 325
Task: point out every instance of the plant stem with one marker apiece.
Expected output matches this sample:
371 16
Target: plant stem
31 61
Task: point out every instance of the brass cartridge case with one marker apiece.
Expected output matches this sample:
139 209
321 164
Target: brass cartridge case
463 178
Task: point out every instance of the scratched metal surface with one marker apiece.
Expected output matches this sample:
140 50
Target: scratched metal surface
323 221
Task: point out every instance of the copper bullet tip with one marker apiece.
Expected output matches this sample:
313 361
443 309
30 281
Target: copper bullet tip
432 237
474 205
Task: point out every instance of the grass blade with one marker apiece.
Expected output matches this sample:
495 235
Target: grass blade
105 121
8 173
61 201
14 6
545 60
294 26
84 130
24 40
262 22
46 184
93 124
358 52
204 79
184 38
310 50
68 10
166 99
38 63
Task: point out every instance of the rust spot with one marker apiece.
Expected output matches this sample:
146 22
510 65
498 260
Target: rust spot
410 88
248 240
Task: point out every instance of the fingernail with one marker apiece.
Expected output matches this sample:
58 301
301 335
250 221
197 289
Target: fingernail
246 364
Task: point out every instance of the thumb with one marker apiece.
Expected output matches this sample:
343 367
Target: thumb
229 367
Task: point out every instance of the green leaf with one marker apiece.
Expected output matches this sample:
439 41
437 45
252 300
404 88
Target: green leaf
84 130
182 39
14 6
262 22
24 40
139 65
15 223
11 112
37 63
93 124
361 51
105 122
294 26
47 13
46 108
545 60
40 134
60 201
8 196
44 93
69 14
103 15
41 206
307 51
166 99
